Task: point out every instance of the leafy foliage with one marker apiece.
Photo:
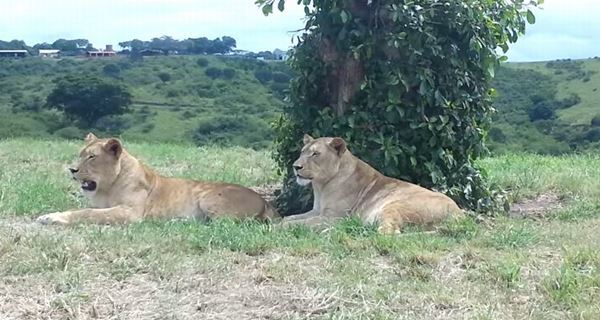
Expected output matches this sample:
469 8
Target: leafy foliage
164 76
405 83
541 111
160 111
168 44
88 98
596 121
233 130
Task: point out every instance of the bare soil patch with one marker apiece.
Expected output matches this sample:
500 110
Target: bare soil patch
537 207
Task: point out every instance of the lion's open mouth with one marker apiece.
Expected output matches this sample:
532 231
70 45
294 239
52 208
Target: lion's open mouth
303 181
88 185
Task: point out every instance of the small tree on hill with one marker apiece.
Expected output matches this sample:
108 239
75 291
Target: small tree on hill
88 98
406 83
596 121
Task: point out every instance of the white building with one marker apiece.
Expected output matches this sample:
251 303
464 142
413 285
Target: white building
49 53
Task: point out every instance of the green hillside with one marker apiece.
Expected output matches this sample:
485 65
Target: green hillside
543 107
205 99
547 107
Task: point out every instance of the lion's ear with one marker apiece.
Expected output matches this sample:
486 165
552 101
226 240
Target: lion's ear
90 138
307 139
114 147
339 145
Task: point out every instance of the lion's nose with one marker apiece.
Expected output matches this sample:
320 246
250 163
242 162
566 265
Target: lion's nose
297 167
73 170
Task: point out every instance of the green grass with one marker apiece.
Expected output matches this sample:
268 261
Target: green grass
493 269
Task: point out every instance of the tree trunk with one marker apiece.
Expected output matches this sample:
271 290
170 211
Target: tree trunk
346 71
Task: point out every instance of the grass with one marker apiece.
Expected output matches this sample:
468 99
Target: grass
494 269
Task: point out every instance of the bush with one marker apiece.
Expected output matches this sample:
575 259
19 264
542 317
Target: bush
572 100
147 127
203 62
229 130
596 121
541 111
164 76
593 135
263 75
72 133
113 124
228 73
213 72
111 70
497 135
281 77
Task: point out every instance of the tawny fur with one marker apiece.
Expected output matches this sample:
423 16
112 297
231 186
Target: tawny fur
128 191
344 186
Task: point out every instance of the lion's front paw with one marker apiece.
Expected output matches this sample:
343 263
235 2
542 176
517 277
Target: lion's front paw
60 218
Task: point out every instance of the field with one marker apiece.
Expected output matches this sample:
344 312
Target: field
543 263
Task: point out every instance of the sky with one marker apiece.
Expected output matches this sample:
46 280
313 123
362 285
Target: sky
564 28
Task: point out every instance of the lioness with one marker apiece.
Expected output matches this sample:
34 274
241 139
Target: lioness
343 185
122 190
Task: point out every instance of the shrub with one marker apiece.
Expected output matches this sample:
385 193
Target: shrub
113 124
203 62
164 76
541 111
497 135
213 72
228 73
572 100
111 70
72 133
147 127
263 75
593 135
596 121
281 77
233 130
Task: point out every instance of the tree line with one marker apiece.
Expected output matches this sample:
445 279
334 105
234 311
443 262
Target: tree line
164 44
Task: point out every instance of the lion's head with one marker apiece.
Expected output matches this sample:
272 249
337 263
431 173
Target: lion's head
98 165
319 160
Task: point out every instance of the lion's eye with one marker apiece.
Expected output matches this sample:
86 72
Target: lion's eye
91 156
314 154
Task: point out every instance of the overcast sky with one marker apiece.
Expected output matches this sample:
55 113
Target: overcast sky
564 29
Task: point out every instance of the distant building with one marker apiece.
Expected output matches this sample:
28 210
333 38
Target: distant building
49 53
108 52
13 53
280 55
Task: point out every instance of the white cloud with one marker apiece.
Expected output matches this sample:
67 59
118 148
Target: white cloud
564 28
112 21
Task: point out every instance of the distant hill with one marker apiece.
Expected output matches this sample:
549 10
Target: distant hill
547 107
202 99
543 107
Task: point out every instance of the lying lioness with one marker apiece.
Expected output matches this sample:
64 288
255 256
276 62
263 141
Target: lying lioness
343 185
122 190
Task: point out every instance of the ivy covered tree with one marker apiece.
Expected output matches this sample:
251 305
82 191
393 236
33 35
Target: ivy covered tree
405 83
